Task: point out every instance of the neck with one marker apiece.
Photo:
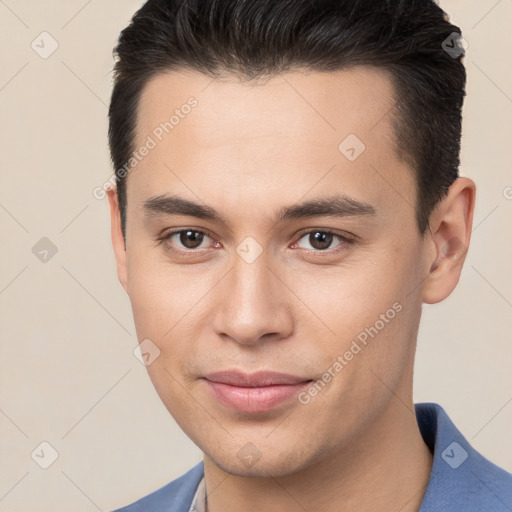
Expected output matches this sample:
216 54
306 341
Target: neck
386 468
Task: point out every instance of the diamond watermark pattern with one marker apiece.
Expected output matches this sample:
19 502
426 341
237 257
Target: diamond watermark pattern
454 455
352 147
249 454
45 45
249 250
146 352
44 250
455 45
45 455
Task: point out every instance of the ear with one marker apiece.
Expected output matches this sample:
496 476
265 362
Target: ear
117 237
450 233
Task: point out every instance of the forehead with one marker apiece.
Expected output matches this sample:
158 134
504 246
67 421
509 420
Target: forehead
285 134
289 104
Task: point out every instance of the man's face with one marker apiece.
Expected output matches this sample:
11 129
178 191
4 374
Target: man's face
255 292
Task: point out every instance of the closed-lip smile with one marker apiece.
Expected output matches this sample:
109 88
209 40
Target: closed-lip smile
254 392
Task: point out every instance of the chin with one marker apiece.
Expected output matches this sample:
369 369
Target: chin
253 464
259 470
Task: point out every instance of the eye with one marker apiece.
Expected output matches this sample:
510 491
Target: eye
184 239
320 240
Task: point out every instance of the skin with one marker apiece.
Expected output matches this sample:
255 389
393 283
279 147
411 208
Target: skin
247 150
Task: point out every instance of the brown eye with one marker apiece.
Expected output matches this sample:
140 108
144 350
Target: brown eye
320 240
190 239
184 239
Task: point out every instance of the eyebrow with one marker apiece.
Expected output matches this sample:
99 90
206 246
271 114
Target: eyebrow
333 206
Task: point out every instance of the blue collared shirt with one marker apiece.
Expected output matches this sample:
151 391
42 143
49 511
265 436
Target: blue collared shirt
461 480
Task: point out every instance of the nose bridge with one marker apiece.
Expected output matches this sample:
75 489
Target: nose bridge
252 305
250 282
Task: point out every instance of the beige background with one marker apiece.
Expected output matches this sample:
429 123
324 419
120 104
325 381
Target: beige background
67 372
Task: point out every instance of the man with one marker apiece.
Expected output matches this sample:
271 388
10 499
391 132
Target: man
287 198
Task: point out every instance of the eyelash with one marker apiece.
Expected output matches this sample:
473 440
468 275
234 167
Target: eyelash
344 239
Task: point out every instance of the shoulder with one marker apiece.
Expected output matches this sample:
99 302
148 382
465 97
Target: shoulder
175 496
460 477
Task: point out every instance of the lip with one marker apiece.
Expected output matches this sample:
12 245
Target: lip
256 392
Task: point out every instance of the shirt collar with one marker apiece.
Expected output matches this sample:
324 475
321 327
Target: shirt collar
199 499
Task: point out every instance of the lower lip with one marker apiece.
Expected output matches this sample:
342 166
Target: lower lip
254 399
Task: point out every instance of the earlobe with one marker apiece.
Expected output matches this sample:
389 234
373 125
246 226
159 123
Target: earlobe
118 241
450 235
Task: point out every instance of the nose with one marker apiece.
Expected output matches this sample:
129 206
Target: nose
253 304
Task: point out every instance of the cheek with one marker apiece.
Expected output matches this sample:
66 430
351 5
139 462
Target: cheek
345 298
167 301
159 292
364 313
151 303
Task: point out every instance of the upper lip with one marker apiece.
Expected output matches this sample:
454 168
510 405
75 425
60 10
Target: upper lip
253 380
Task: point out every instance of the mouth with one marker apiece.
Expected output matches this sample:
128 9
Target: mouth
256 392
